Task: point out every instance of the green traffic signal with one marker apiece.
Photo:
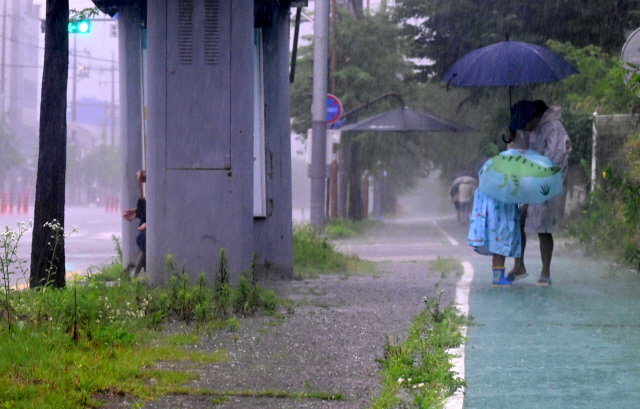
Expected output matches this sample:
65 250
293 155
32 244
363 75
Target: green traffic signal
79 27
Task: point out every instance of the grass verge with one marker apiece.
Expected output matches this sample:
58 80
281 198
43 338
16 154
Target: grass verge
43 368
446 266
416 372
66 348
313 254
347 228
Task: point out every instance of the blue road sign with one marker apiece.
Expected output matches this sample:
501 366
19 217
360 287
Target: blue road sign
334 109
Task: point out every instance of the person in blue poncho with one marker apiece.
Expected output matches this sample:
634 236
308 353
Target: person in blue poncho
495 225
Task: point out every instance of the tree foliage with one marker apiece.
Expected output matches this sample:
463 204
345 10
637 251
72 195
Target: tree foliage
371 61
444 31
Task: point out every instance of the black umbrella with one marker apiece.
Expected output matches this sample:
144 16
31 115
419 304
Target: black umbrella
405 120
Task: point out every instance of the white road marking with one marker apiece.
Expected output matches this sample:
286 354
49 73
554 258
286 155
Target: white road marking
462 302
451 239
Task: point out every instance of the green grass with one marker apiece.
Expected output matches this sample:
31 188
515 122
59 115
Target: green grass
347 228
313 254
446 266
42 367
64 348
419 365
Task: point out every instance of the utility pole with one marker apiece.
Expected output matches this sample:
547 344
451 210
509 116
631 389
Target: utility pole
113 100
73 89
319 113
332 183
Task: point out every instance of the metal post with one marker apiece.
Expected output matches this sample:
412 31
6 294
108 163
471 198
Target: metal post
73 89
333 203
319 112
593 152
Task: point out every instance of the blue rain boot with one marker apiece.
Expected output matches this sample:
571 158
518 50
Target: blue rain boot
499 280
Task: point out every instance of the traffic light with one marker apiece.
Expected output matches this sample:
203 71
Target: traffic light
79 27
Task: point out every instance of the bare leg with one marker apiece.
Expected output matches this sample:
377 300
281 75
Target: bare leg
546 252
518 265
498 260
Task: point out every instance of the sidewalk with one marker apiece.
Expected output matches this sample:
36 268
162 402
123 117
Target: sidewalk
331 343
573 345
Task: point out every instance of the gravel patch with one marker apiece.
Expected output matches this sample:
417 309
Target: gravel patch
329 344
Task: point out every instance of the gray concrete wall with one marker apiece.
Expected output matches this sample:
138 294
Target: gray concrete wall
194 211
272 234
130 59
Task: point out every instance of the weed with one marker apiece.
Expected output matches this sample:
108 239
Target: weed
94 336
347 228
314 254
446 266
420 365
11 264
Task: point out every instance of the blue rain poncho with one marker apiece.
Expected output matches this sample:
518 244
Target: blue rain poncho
495 227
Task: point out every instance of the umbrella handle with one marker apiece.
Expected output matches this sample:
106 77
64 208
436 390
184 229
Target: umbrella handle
449 82
506 141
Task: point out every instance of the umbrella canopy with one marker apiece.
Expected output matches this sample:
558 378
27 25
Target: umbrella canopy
508 63
515 177
405 120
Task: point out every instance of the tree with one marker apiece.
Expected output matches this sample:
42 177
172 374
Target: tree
47 257
371 61
444 31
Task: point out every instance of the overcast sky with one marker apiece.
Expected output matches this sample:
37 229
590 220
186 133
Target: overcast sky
93 48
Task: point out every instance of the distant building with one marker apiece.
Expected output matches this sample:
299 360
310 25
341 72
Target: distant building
19 70
19 77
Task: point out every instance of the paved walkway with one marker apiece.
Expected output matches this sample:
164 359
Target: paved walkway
573 345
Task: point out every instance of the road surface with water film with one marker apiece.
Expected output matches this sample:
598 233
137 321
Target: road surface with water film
91 247
575 344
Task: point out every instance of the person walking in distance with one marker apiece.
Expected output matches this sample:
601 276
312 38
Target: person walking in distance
465 197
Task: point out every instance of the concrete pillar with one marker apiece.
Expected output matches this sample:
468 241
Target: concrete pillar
130 58
272 234
200 137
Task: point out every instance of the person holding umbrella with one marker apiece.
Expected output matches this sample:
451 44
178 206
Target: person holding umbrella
544 134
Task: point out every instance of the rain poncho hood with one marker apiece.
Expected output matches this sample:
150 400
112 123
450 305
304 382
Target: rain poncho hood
550 139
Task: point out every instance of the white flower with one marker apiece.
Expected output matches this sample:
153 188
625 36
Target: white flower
400 380
420 385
